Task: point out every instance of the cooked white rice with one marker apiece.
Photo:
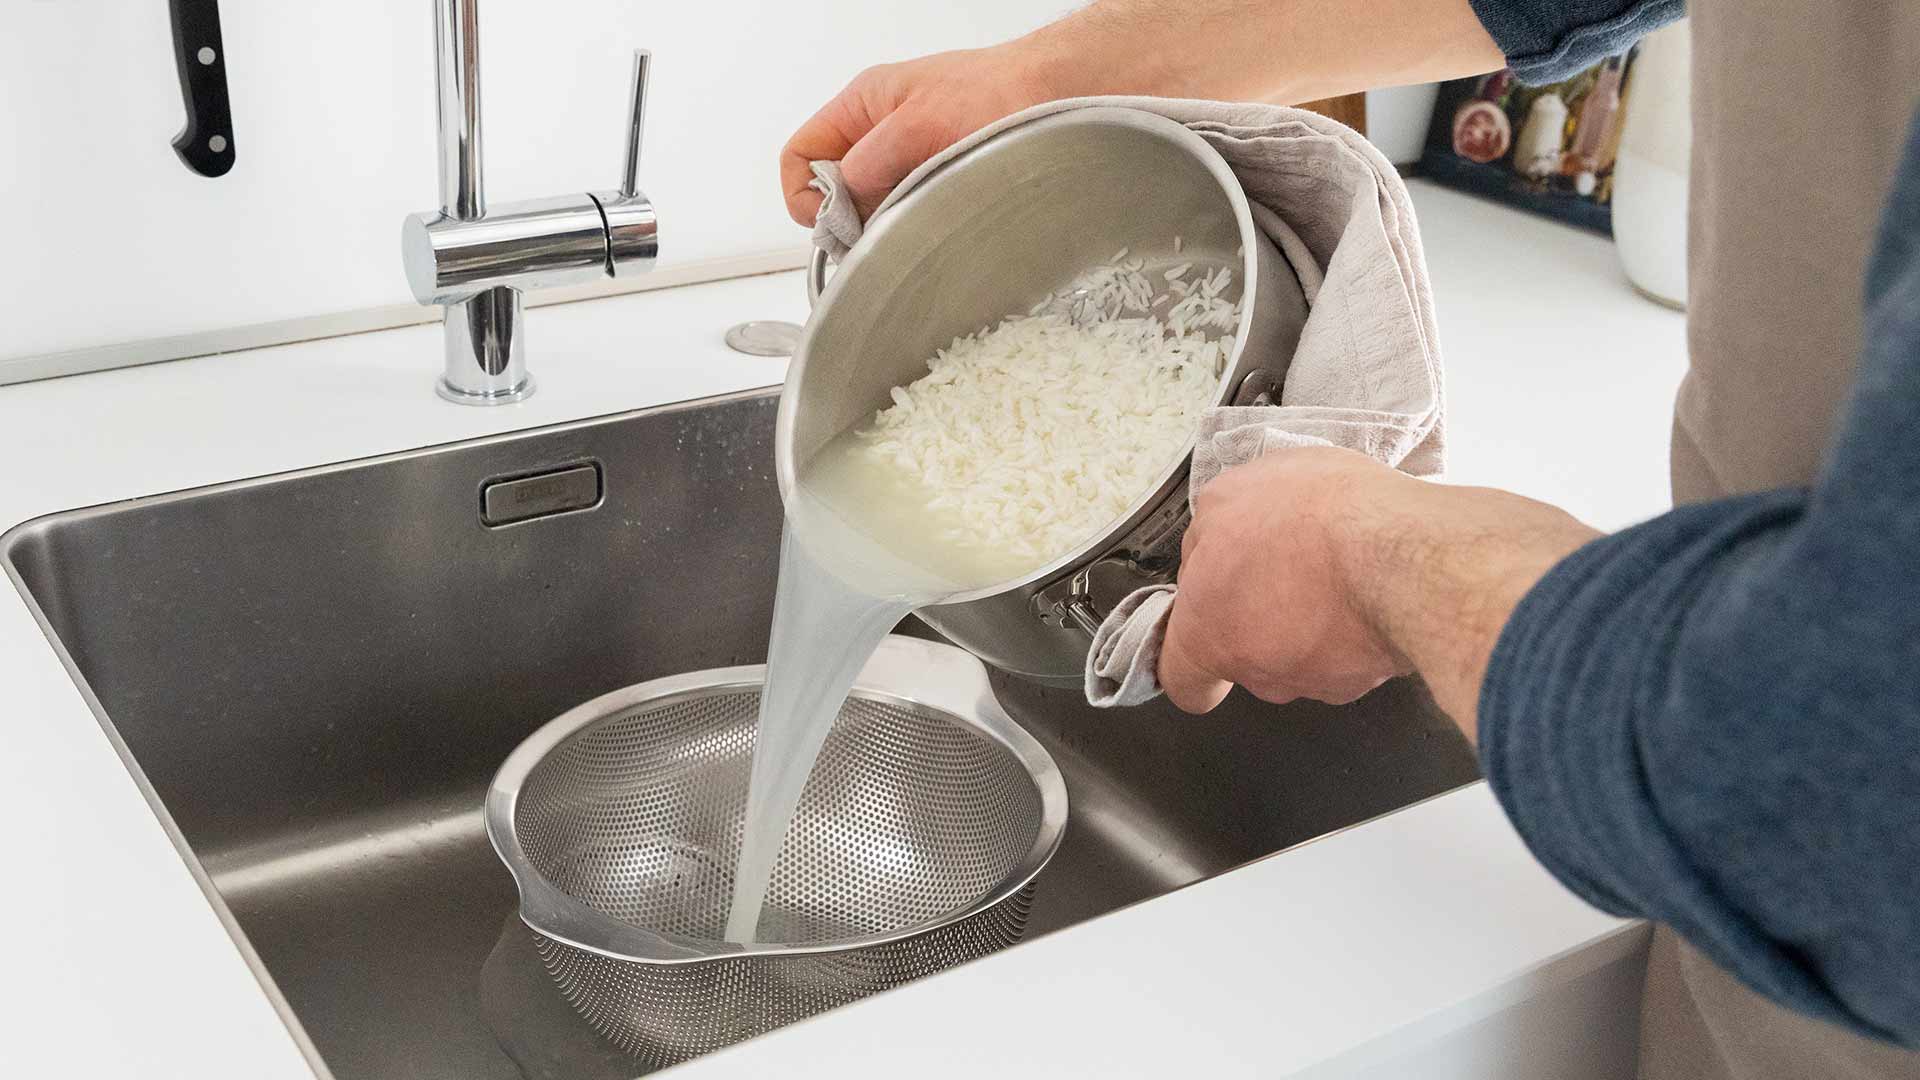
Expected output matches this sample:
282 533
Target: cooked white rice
1034 435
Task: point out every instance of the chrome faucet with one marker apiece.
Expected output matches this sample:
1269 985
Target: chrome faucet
476 263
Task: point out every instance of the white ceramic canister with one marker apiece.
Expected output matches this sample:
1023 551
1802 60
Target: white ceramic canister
1650 174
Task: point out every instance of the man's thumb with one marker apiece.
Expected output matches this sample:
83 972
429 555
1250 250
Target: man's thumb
1189 686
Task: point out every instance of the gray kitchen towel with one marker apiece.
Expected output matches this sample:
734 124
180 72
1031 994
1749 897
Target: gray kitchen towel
1366 375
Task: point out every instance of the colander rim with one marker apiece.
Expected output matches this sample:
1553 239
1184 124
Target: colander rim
903 671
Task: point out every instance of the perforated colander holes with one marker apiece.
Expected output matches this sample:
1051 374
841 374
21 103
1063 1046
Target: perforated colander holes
666 1015
909 816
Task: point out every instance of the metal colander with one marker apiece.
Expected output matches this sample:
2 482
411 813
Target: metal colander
914 848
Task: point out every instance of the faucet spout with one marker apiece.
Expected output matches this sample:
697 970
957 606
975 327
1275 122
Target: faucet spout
457 72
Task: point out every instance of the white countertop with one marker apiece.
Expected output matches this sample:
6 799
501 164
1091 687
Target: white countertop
1559 383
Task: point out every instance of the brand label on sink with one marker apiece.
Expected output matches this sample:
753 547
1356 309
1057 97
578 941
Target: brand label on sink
570 487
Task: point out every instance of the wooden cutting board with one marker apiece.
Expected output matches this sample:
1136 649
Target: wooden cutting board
1349 109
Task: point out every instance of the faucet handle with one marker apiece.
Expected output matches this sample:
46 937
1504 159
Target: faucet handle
636 124
633 233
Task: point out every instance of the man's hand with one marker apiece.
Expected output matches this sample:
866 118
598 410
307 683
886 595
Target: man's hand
1264 599
1320 573
890 119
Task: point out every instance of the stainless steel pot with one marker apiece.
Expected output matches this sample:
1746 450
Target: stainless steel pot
988 234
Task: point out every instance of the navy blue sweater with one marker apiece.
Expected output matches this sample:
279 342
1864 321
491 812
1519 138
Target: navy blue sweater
1549 40
1713 719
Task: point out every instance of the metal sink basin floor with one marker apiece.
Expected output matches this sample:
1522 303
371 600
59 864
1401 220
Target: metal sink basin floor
317 673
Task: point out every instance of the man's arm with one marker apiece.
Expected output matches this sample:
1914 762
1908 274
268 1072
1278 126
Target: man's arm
1715 718
892 118
1321 573
1711 719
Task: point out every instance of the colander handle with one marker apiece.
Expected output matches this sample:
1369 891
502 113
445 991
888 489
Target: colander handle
816 276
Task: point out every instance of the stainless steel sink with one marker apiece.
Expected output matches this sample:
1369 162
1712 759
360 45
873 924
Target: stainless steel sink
317 673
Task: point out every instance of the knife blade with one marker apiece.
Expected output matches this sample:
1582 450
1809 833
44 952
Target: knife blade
206 143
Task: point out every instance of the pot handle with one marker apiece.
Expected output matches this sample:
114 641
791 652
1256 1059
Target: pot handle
1069 603
1085 614
816 276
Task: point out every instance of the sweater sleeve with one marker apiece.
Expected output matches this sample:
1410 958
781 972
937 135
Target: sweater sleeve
1713 719
1549 40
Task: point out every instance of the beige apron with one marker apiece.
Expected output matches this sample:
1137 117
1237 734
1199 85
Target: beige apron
1800 110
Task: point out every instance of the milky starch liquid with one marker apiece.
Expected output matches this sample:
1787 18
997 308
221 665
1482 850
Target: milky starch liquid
841 589
862 548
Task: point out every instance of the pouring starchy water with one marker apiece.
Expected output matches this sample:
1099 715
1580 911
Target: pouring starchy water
1020 443
990 408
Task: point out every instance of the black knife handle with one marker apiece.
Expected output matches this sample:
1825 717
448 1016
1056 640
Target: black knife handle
206 143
